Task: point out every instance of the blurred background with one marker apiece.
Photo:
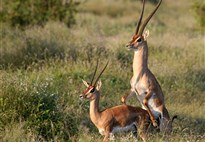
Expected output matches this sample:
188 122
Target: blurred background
48 46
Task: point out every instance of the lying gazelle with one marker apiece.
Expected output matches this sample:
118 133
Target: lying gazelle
121 118
143 83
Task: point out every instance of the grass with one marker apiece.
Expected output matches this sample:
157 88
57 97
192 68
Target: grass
41 70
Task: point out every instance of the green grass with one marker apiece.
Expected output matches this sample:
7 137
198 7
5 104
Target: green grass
41 70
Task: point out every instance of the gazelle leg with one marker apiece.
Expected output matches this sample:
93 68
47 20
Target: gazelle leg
107 133
106 137
134 130
123 98
145 102
165 122
141 129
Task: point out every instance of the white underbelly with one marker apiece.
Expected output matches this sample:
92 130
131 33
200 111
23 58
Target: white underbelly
130 127
118 129
152 105
156 113
154 109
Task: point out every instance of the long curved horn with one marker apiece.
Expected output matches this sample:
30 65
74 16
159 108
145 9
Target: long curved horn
148 18
140 19
94 73
100 74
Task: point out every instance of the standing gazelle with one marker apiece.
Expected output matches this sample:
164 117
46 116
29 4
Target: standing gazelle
143 83
121 118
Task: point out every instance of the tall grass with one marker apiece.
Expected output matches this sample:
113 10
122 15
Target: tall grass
42 68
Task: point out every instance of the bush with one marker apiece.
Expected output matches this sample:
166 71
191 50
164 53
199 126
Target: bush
199 8
29 12
40 105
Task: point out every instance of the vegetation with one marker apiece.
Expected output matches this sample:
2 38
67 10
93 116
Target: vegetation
29 12
41 70
199 7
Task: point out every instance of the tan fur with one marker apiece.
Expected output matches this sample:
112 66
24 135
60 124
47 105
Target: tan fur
143 83
115 117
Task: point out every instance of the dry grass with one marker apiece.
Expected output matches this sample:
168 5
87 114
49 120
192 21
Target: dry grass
52 60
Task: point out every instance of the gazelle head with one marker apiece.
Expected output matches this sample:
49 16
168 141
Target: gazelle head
92 88
138 40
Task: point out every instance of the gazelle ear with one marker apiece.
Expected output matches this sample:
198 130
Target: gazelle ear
146 34
86 83
98 86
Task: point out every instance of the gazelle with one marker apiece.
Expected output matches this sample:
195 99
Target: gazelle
143 83
121 118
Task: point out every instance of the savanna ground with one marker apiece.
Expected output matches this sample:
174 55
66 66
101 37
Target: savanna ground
42 68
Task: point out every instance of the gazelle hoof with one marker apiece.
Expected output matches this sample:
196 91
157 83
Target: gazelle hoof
154 124
123 100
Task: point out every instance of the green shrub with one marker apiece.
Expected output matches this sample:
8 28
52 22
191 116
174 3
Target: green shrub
199 8
29 12
40 105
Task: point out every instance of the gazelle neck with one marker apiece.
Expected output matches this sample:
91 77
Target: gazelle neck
140 60
94 107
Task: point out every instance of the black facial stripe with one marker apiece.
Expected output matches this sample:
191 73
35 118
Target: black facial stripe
139 39
93 90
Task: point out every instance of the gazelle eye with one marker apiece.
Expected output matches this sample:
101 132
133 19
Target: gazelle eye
139 40
93 90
